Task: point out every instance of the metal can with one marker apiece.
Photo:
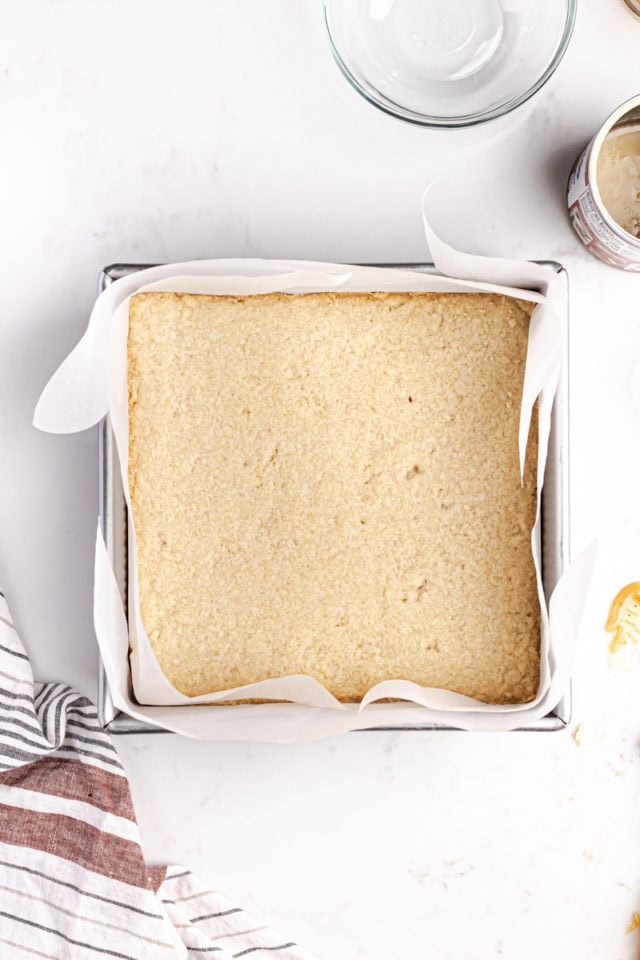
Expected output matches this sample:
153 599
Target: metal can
634 6
597 229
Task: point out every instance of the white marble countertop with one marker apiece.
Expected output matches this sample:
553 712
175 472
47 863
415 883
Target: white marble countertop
150 131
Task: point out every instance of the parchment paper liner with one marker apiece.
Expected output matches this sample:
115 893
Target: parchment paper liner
92 382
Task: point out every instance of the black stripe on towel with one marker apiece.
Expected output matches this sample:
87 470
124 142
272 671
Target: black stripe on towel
80 890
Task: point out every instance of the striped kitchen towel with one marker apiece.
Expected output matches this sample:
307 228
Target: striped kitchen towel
73 881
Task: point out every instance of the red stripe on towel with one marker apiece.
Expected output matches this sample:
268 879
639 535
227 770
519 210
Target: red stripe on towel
76 841
74 780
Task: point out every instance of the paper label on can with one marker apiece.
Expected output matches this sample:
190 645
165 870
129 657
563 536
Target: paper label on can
589 224
578 176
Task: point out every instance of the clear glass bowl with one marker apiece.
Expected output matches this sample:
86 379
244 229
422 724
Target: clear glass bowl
448 63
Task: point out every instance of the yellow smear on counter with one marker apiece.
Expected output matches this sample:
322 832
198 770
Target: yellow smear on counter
624 618
635 923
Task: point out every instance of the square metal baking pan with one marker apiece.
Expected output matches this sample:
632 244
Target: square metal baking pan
555 519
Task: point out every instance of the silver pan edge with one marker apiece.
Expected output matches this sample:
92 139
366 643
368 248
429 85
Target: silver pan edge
555 518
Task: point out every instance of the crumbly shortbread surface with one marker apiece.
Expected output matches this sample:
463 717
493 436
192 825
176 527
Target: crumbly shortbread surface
328 484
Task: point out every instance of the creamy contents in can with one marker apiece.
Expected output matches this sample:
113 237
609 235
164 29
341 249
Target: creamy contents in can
619 179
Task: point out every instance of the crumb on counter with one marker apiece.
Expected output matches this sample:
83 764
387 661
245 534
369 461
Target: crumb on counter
578 734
